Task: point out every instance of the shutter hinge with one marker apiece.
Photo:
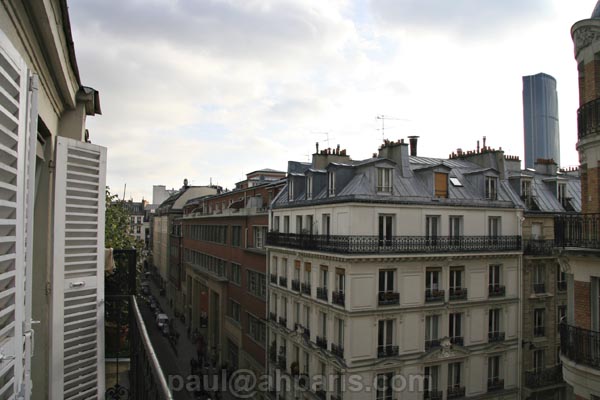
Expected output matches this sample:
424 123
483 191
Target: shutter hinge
33 83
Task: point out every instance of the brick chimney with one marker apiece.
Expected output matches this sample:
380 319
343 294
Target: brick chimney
397 152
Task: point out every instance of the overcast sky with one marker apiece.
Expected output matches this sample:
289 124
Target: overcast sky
203 89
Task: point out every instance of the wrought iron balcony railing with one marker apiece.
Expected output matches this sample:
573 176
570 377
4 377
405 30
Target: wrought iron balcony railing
306 333
322 293
561 286
496 290
295 285
283 322
338 297
353 244
337 349
305 288
539 288
495 384
274 279
273 316
539 331
322 342
581 230
432 295
283 281
433 395
537 247
387 351
495 336
456 392
458 294
588 119
457 340
388 298
432 344
580 345
545 377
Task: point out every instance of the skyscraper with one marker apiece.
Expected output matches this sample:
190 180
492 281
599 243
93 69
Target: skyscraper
540 117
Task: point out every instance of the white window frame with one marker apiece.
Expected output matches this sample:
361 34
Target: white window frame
384 180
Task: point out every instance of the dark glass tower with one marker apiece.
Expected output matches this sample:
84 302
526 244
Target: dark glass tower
540 117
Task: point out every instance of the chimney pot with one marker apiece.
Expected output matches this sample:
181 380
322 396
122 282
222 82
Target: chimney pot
413 145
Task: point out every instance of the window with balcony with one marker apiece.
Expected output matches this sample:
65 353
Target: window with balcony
297 320
299 224
495 333
431 383
433 291
385 387
495 381
539 279
441 185
276 224
495 287
561 280
322 338
457 291
322 292
326 229
432 331
338 296
260 235
337 347
331 183
456 389
286 224
306 323
455 223
309 224
539 360
432 228
493 227
296 278
385 338
491 187
306 285
309 187
455 328
284 271
539 322
386 222
384 180
387 294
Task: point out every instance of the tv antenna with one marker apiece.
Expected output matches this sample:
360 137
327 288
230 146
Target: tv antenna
386 117
326 136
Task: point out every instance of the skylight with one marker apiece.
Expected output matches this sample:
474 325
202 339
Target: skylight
455 182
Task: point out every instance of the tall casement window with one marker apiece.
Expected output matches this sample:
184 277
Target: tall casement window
454 378
441 185
331 183
494 376
309 187
561 193
525 189
494 332
493 227
539 360
385 389
386 280
275 224
386 223
290 189
298 224
491 187
495 279
432 331
432 228
539 322
455 223
384 180
385 337
326 228
431 381
309 224
455 328
286 224
456 283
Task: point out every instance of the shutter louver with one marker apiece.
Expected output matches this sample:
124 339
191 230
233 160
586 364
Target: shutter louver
78 281
14 114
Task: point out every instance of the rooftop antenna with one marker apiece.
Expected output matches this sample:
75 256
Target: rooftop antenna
383 118
124 190
326 136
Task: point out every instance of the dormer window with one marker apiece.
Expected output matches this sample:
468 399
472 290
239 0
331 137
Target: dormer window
384 180
331 183
441 185
309 181
291 190
525 188
491 187
561 193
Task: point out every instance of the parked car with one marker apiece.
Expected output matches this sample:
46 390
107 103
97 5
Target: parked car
145 286
162 319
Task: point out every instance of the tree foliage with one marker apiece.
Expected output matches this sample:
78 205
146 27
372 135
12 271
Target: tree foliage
117 223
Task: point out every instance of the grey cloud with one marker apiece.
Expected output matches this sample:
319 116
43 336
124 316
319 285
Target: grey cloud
464 17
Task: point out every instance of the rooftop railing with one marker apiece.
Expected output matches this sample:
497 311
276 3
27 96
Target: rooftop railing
363 244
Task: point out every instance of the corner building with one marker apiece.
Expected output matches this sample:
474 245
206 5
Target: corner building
396 265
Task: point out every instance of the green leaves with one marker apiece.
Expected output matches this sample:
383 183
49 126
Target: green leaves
117 225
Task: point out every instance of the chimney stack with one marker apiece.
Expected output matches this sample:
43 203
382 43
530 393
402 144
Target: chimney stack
413 145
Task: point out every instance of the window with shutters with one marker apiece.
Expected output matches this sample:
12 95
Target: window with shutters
441 185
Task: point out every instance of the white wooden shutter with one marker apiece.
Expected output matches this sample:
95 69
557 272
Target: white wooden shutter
77 336
17 119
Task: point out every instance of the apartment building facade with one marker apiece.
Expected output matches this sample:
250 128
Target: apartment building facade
546 193
396 266
52 189
580 334
224 280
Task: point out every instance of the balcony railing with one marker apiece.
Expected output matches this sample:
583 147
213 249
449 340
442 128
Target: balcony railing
458 293
321 394
457 340
433 395
496 290
582 230
281 362
580 345
495 337
295 285
432 344
495 384
305 288
588 119
535 247
539 288
354 244
306 333
322 293
338 297
322 342
539 331
456 392
545 377
274 279
273 316
388 298
387 351
283 281
432 295
283 322
337 349
561 286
